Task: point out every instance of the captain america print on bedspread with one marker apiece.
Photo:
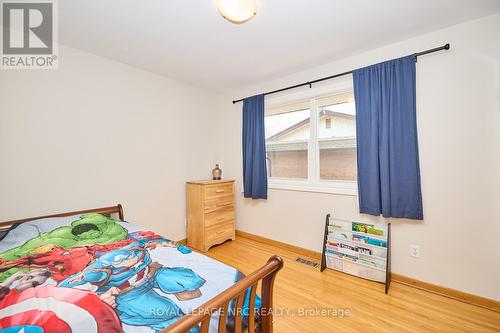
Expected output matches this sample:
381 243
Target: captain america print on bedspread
91 273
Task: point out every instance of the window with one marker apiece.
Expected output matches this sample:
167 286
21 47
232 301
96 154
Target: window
328 122
311 144
337 142
287 137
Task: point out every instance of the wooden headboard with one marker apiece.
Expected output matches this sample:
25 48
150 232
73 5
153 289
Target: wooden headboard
108 211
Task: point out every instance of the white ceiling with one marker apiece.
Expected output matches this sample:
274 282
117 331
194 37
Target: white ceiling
188 40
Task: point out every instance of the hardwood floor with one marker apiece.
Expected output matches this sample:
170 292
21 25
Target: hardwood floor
404 309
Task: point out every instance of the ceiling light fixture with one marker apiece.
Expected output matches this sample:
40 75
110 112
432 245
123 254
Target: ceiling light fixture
237 11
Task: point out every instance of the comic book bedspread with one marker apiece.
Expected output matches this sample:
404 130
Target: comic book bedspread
91 273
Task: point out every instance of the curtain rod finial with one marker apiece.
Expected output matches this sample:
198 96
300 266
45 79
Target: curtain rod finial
447 46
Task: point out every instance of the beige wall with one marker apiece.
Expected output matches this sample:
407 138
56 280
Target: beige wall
458 107
97 132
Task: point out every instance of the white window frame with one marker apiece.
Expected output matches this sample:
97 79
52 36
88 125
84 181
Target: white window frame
313 183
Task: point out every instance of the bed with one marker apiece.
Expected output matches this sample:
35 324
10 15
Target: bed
87 271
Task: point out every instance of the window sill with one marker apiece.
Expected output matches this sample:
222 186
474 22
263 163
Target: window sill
339 187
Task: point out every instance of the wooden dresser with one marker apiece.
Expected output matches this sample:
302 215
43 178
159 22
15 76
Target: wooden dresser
210 213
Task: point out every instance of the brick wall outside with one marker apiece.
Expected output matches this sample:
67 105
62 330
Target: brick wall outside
338 164
287 164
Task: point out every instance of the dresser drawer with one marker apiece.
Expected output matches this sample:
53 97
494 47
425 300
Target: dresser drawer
219 190
223 214
218 204
219 232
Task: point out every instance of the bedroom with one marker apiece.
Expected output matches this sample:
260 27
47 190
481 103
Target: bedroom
138 101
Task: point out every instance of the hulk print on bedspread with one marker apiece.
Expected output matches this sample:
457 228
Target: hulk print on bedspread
89 229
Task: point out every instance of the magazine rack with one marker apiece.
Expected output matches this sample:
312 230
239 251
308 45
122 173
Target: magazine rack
359 249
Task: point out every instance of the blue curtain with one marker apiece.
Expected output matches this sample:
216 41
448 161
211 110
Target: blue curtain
254 148
386 127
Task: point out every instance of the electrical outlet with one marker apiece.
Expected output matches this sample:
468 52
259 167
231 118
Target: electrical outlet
415 251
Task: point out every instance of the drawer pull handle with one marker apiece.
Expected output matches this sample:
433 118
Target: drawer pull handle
220 232
222 205
220 191
220 218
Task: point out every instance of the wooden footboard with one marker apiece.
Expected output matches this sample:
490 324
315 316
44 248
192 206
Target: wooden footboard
237 293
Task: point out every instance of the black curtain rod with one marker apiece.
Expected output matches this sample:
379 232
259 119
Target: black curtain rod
309 83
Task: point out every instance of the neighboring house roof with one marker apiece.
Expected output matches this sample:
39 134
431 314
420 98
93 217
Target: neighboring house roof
306 121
